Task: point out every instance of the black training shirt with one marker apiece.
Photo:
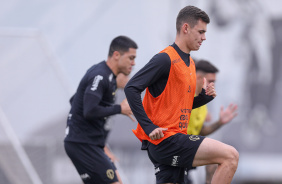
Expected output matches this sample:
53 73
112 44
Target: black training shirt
91 105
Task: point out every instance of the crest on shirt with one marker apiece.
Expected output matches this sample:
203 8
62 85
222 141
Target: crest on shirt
96 81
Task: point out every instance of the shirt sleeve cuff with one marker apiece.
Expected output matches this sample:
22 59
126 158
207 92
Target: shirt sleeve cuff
117 109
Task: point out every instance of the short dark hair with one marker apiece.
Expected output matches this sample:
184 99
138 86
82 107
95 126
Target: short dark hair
205 66
121 44
190 15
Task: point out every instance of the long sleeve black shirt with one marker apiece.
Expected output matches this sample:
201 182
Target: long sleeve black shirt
92 104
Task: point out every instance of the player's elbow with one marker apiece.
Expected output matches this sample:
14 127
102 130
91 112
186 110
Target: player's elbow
88 115
127 90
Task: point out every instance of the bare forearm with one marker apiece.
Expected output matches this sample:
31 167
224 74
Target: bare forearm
208 129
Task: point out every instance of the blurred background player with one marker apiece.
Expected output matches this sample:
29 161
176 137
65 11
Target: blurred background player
92 104
197 126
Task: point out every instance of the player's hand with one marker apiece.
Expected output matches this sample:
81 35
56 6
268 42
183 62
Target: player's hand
211 90
157 133
122 80
125 109
228 114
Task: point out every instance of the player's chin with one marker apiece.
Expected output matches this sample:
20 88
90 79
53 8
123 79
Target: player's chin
196 48
126 73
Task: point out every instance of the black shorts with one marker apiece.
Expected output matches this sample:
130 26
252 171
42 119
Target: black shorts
91 162
173 156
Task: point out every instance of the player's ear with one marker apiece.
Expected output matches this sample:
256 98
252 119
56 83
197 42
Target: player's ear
186 28
116 54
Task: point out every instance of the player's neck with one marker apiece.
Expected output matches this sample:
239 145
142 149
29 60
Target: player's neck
180 42
112 65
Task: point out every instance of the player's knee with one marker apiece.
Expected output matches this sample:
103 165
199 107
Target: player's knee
233 157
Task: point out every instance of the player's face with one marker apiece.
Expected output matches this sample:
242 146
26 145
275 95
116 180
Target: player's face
199 83
210 77
197 35
127 61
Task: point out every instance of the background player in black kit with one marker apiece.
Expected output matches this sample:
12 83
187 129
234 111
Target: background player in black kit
91 105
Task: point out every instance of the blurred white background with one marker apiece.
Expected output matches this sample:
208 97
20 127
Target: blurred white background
46 46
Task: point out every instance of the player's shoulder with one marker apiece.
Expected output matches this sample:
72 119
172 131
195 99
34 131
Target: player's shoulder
101 69
98 74
161 58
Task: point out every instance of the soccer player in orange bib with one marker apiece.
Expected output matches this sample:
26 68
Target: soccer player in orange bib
170 81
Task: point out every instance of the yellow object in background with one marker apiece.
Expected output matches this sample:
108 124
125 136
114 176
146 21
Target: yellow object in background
197 119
